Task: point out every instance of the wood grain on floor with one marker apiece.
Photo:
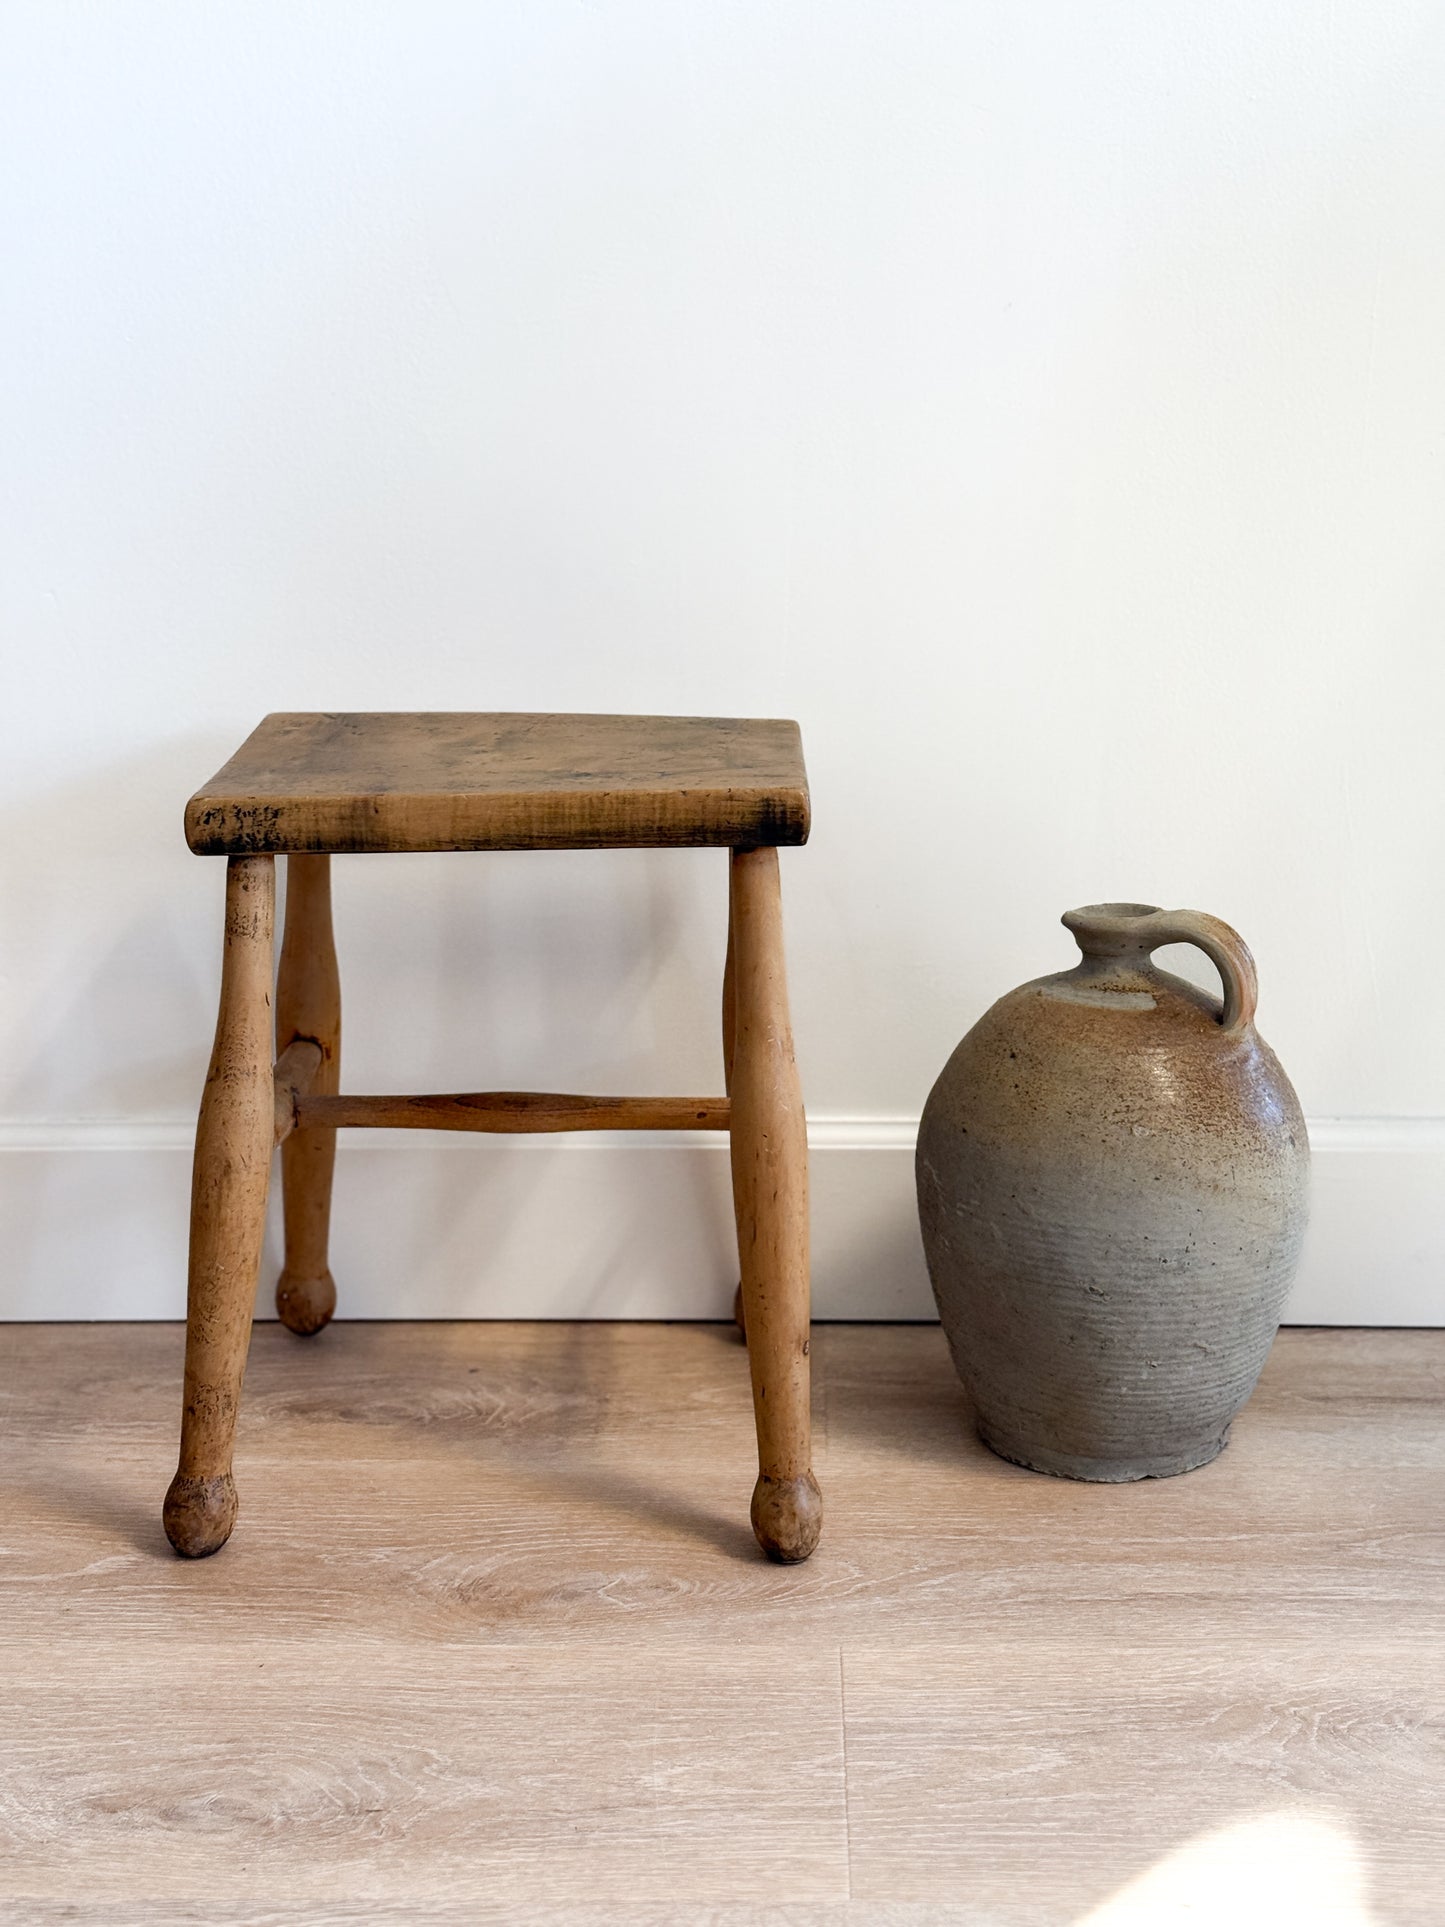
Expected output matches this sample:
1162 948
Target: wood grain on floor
492 1642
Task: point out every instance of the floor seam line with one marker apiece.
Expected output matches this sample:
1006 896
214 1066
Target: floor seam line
847 1790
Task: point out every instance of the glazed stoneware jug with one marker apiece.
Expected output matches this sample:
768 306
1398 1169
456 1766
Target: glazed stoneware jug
1112 1183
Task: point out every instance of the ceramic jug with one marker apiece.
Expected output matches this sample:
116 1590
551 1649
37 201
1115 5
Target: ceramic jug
1112 1184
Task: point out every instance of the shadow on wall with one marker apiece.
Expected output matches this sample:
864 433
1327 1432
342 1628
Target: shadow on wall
531 1228
116 1004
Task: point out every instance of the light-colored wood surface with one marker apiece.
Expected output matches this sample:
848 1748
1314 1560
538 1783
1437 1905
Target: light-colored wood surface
495 1644
445 780
769 1153
308 1014
295 1072
516 1112
230 1178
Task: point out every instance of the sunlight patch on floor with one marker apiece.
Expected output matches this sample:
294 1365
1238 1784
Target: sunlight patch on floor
1301 1868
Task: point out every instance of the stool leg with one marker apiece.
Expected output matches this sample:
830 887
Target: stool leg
770 1190
308 1004
729 1044
228 1215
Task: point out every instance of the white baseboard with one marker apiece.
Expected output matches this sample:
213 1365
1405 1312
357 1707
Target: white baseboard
626 1225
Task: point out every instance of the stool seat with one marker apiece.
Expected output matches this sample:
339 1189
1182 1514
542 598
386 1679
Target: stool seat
455 780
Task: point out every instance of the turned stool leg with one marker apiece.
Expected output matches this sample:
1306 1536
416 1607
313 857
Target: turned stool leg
770 1190
729 1044
229 1180
308 1005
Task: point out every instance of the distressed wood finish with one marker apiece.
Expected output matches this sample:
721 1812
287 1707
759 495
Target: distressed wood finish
308 1011
308 785
770 1189
729 998
515 1112
494 781
295 1068
729 1040
230 1177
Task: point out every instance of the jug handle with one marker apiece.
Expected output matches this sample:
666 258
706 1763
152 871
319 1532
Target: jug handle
1225 949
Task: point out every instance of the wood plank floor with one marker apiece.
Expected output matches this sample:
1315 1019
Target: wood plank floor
492 1642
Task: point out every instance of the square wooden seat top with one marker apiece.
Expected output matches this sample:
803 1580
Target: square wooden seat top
453 780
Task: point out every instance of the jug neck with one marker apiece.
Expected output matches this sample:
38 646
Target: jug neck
1117 939
1114 935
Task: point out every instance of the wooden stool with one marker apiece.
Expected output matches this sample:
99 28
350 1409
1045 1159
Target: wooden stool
307 786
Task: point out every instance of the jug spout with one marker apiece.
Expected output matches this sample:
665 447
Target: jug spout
1107 930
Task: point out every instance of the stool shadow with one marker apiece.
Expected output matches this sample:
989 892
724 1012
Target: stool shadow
621 1491
546 1476
634 1498
107 1506
111 1507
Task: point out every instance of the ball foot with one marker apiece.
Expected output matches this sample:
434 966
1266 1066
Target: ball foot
199 1514
787 1517
305 1305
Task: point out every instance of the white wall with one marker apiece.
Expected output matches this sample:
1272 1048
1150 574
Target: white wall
1043 404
